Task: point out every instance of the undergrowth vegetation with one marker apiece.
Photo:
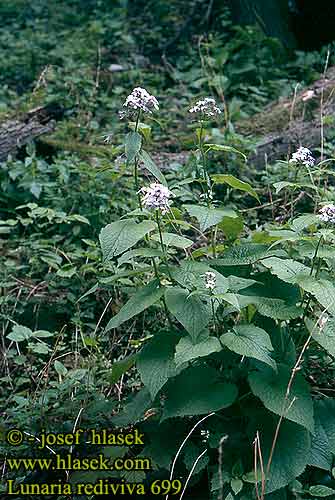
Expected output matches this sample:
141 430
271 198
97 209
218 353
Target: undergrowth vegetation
152 276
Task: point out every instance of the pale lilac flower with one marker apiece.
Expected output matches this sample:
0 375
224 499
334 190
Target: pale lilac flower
139 100
327 213
210 280
304 156
206 107
156 197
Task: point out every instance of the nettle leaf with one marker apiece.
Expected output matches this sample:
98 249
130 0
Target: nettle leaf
189 309
290 453
208 216
186 350
20 333
191 275
197 390
323 440
235 183
156 361
152 167
141 300
133 145
119 236
287 270
173 240
241 255
250 341
270 387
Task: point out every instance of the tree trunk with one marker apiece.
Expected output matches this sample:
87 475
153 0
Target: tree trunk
273 17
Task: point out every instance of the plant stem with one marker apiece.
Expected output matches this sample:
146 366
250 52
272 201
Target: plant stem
136 165
162 244
208 182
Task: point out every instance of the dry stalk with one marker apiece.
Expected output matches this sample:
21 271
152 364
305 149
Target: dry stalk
285 409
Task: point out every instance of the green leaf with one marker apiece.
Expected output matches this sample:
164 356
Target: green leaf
134 410
42 334
287 270
152 167
290 453
225 149
38 348
325 334
271 307
192 312
232 227
119 236
241 255
156 361
132 146
141 300
191 454
271 387
197 390
250 341
284 184
173 240
186 350
235 183
20 333
323 290
66 271
304 221
323 439
207 216
191 275
120 367
236 485
139 252
60 368
320 490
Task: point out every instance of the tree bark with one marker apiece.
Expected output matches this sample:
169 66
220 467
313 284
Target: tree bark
17 132
287 124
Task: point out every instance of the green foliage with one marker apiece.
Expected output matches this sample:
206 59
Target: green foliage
220 308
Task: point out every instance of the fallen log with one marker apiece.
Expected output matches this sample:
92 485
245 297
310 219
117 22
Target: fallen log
287 124
16 132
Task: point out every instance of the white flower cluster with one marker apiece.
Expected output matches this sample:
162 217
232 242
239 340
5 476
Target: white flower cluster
304 156
207 107
205 435
327 213
210 280
138 100
156 196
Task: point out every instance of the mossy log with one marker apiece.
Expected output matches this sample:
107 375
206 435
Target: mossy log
287 124
16 132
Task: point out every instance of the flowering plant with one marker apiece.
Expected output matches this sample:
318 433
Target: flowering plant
237 314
